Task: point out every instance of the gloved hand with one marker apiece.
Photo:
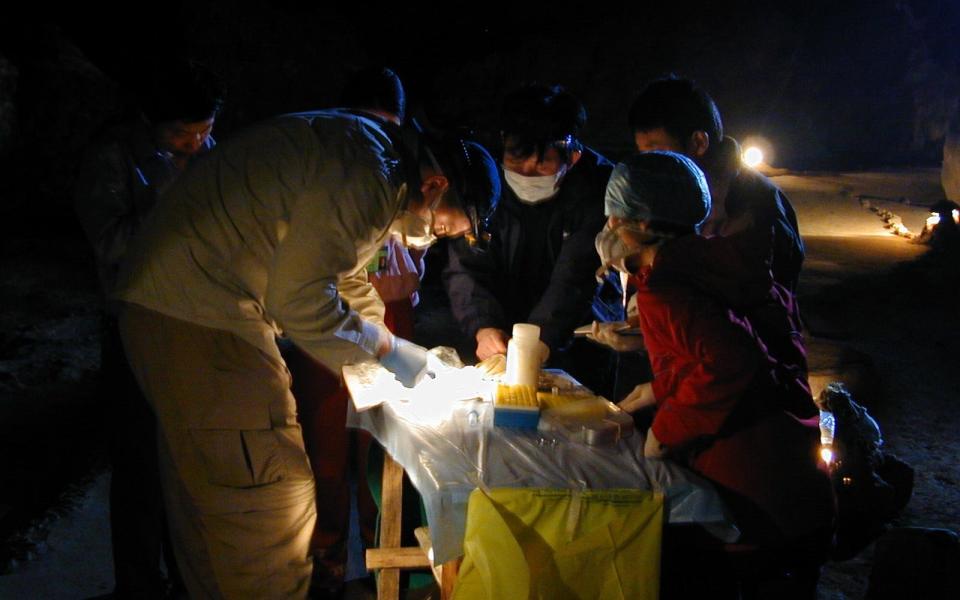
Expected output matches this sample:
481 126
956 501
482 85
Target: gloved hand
407 361
495 364
606 334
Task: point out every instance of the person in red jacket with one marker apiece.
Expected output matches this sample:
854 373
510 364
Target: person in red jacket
729 385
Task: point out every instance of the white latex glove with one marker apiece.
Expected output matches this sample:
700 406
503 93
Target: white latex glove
606 334
407 361
652 448
495 364
490 341
641 397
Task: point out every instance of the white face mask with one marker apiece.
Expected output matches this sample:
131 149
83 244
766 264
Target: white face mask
534 189
612 250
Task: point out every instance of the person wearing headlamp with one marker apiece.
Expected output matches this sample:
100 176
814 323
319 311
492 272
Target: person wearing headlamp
540 264
271 233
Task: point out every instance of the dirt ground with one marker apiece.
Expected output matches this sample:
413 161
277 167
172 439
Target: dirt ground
880 310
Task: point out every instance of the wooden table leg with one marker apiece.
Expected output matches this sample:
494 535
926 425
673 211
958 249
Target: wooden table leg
448 578
390 517
389 558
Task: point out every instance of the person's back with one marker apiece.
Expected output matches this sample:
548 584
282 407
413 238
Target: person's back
274 229
245 219
739 403
338 453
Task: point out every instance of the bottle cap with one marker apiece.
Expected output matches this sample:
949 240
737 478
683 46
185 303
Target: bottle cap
525 332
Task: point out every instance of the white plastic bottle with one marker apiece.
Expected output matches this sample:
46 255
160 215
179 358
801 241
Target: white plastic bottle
524 355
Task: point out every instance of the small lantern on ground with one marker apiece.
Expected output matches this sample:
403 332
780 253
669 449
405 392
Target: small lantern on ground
942 230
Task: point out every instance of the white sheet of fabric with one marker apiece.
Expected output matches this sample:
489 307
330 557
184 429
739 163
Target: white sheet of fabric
272 232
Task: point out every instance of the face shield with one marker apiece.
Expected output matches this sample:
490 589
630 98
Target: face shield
474 187
473 190
415 231
614 251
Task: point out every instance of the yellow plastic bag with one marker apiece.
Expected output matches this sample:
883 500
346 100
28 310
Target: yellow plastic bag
561 544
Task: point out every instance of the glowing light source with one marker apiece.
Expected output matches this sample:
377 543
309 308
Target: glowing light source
900 229
933 220
752 156
433 401
826 454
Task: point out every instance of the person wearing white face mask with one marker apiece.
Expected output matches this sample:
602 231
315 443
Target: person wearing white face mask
534 189
272 233
540 265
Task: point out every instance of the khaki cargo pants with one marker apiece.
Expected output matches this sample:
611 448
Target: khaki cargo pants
236 480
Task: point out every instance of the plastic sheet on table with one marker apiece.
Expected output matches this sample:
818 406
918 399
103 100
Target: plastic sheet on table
449 447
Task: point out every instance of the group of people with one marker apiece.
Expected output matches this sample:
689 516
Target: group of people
243 276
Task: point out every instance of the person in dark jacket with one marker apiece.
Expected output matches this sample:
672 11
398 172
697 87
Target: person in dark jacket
121 177
674 114
540 264
729 390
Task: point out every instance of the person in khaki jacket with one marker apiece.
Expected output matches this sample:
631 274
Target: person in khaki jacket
272 233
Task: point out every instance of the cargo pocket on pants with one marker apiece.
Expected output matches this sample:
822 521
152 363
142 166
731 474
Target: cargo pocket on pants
240 458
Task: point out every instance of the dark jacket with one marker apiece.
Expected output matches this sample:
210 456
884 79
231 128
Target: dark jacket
121 176
754 204
730 382
540 265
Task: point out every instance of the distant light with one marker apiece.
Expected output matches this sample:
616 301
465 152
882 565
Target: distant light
827 455
956 215
933 220
752 156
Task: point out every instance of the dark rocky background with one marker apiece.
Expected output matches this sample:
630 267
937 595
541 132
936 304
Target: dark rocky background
831 85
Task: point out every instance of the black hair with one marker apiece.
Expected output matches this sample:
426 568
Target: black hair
680 107
182 89
375 88
535 117
470 170
467 165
